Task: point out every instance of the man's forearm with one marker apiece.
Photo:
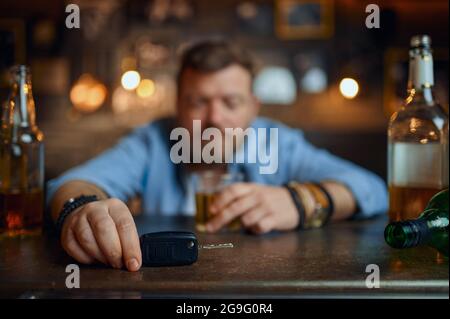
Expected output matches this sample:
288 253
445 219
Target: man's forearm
73 189
343 200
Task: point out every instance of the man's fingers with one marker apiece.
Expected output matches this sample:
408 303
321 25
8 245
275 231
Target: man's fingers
228 195
106 235
232 211
73 248
265 225
86 239
129 237
253 216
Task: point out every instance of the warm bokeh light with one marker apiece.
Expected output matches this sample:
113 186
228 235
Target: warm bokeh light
146 88
130 80
349 88
88 94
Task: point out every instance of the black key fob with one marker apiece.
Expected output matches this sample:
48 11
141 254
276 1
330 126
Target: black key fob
171 248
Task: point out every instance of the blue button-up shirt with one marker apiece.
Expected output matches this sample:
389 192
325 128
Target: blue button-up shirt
140 164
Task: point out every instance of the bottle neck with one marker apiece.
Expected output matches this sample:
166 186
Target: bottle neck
408 233
421 77
22 99
423 95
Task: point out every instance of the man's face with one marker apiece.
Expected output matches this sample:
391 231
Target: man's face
221 99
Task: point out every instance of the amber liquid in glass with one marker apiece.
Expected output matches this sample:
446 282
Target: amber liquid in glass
408 202
21 212
202 202
203 215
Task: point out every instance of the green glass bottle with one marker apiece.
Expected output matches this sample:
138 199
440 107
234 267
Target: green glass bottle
431 228
439 201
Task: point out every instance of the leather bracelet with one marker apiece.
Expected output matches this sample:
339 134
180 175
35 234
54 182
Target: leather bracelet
321 213
71 205
300 189
329 198
299 205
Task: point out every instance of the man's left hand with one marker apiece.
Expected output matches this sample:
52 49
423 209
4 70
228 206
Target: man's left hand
261 208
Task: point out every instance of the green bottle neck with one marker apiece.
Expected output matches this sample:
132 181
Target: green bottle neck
406 234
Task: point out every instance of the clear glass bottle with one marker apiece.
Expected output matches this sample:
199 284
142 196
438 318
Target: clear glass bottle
417 140
21 160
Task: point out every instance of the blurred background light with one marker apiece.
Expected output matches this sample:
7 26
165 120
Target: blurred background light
314 81
247 10
349 88
146 88
275 85
130 80
88 94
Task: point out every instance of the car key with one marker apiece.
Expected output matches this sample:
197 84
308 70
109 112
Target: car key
172 248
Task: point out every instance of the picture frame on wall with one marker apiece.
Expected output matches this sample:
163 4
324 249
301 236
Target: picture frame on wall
304 19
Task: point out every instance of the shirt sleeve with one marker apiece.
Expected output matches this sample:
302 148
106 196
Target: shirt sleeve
118 171
309 163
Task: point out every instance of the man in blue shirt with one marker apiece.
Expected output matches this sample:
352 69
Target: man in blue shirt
215 87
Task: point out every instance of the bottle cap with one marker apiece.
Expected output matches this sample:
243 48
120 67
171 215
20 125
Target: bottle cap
420 41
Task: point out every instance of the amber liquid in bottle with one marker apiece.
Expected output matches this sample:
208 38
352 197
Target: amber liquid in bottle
21 211
417 140
406 201
21 161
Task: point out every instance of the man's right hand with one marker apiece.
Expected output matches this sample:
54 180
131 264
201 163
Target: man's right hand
103 231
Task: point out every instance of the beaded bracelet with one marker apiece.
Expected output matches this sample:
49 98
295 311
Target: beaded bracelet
71 205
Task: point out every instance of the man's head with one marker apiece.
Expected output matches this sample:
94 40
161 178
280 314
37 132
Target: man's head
215 86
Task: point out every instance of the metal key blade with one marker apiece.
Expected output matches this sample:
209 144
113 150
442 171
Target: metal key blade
216 246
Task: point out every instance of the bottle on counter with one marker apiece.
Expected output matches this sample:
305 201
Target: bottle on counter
431 228
417 140
21 160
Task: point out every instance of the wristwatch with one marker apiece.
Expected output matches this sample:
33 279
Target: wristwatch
71 205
